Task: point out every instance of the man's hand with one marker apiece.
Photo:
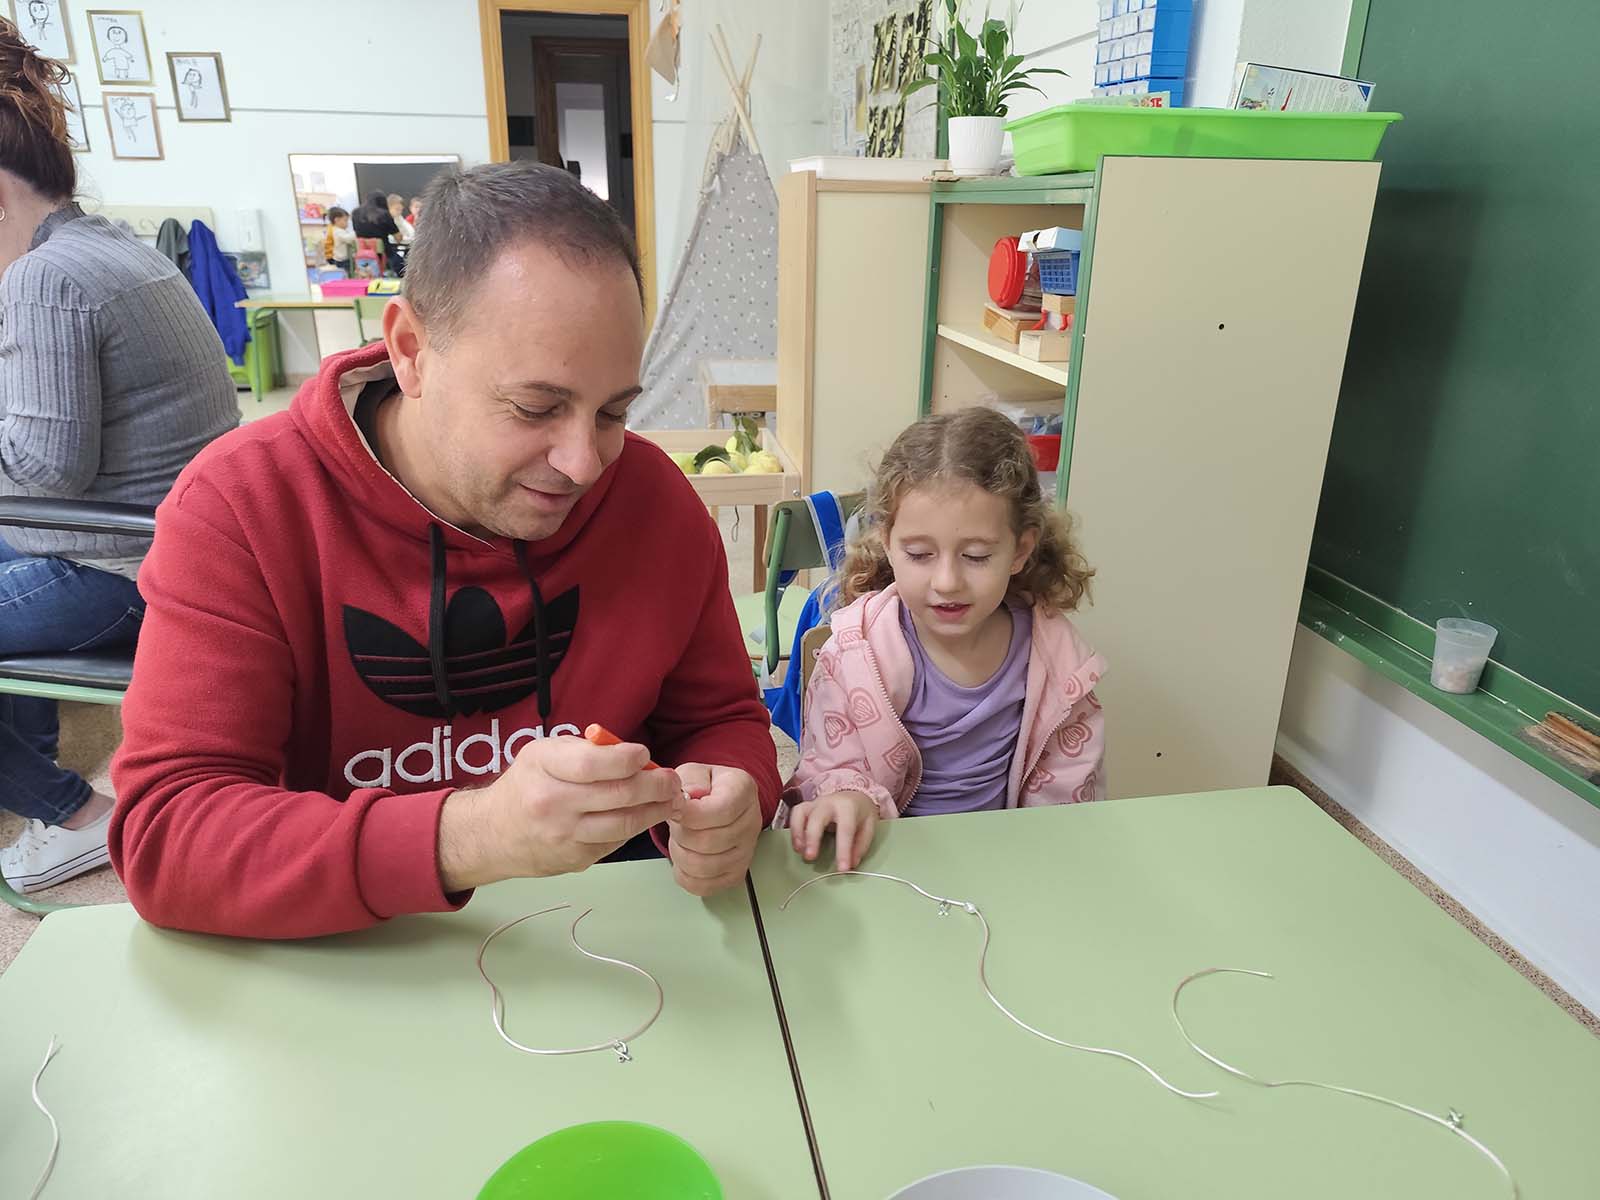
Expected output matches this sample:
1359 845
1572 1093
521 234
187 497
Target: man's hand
561 806
714 838
853 818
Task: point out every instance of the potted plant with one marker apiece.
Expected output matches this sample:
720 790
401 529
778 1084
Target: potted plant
977 72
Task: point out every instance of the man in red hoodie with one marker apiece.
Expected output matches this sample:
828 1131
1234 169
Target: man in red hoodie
371 620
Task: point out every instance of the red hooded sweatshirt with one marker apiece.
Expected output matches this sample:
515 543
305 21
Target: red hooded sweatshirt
323 662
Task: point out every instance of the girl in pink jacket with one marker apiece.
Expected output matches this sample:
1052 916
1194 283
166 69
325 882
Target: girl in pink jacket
953 680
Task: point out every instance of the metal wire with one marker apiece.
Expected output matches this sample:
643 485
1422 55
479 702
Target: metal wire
1452 1122
55 1130
947 903
498 1008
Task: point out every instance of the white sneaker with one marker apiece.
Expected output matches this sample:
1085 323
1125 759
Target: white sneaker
46 855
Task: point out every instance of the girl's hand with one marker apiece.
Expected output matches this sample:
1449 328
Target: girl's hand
852 816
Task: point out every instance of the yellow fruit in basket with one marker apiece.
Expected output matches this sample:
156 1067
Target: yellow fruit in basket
764 462
716 467
685 462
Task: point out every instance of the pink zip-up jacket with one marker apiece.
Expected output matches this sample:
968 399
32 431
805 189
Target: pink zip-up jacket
853 740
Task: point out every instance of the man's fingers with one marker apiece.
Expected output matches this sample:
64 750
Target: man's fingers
717 809
713 841
618 825
696 778
705 866
573 760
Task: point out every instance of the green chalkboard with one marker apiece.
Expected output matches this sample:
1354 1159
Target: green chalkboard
1464 472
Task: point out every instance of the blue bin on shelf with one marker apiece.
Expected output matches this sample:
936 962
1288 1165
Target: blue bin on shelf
1058 271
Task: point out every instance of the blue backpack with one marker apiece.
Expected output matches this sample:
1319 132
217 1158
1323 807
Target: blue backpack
786 703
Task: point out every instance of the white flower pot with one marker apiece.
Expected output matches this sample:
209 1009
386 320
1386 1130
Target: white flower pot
975 144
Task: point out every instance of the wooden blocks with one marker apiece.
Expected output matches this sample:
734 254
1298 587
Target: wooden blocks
1045 345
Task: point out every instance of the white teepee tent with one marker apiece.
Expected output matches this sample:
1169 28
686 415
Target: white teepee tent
723 301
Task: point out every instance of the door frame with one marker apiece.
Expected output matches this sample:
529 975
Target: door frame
644 166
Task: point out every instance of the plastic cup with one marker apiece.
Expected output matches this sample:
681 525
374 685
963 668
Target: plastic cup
605 1160
1460 649
999 1183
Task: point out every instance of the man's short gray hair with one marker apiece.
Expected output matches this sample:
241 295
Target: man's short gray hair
470 216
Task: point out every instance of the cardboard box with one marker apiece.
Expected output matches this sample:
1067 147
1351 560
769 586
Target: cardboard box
1044 346
1008 324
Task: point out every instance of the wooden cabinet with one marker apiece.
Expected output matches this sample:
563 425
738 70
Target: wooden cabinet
1213 314
850 321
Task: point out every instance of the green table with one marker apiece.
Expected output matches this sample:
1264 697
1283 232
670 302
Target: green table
366 1065
1098 911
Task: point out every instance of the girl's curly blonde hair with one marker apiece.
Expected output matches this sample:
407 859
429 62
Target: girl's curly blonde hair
981 447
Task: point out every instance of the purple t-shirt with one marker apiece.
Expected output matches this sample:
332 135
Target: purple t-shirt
967 736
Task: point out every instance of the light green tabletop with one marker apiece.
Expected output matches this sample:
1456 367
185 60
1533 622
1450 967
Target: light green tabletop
1098 912
367 1066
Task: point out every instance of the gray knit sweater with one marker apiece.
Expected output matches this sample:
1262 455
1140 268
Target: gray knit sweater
111 379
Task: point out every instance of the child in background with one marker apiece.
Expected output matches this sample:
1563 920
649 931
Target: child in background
953 680
339 240
397 210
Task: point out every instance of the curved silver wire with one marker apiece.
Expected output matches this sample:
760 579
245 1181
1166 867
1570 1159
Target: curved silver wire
498 1008
1453 1122
55 1130
946 903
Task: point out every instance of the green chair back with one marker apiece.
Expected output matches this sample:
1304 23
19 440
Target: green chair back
370 307
792 545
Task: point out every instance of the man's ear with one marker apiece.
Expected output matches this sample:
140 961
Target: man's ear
407 340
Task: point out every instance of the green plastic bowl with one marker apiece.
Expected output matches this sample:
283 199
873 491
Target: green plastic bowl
604 1160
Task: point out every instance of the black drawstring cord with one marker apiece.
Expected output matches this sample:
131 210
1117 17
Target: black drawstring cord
436 617
541 642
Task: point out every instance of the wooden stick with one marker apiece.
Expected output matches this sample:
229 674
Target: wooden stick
750 71
1573 732
726 62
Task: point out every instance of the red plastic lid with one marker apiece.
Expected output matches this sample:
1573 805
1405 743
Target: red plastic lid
1046 449
1008 273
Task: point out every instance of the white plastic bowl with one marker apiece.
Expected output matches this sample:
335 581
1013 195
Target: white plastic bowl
999 1183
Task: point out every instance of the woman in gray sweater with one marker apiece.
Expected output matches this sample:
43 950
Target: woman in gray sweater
111 379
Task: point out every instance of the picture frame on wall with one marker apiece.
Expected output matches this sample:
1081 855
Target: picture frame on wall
43 25
131 122
77 130
121 53
199 86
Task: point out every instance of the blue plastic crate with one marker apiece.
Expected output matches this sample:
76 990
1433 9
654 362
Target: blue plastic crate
1058 271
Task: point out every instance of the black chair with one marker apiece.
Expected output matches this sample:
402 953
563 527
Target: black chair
92 676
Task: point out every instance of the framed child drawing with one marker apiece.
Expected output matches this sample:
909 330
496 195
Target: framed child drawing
77 131
199 87
121 53
43 25
131 122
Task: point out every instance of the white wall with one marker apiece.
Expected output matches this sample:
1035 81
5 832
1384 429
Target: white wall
1059 34
1305 34
789 100
294 88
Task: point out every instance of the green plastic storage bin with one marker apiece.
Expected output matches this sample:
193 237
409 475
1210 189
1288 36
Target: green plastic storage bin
1074 137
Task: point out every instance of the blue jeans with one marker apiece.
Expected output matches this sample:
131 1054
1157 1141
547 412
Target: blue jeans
50 605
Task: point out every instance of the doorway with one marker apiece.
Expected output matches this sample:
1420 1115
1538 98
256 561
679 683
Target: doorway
567 85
